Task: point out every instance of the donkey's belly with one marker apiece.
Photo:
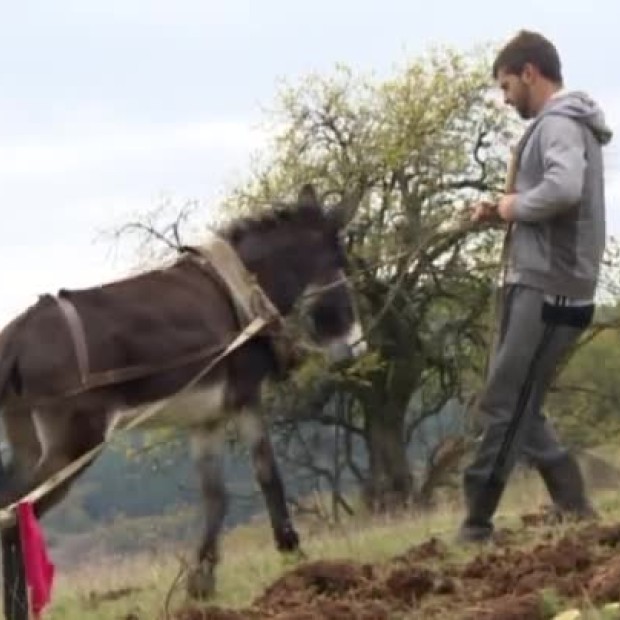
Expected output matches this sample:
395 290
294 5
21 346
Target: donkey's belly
204 406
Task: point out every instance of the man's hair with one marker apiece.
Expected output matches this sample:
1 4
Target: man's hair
529 47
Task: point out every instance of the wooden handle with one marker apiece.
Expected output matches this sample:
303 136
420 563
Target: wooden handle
511 172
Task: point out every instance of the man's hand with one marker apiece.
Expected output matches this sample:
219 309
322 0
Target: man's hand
505 207
486 211
483 211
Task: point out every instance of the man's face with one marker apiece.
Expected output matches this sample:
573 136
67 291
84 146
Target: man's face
517 92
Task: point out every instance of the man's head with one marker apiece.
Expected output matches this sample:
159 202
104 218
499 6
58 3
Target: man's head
528 70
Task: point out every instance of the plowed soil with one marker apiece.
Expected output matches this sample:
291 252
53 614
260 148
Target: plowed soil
502 581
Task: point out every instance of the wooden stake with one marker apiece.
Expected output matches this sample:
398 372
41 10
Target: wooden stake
15 592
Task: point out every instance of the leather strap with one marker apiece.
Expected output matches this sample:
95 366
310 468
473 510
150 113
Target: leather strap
78 335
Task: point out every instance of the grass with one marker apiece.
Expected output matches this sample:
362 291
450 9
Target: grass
249 565
114 588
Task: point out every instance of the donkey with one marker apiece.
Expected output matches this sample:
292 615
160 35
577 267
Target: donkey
296 255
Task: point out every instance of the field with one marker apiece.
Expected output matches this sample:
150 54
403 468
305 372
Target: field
398 568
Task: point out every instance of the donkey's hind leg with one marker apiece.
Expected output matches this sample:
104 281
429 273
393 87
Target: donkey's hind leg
41 444
25 448
62 438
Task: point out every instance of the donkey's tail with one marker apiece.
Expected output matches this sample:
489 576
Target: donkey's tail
8 355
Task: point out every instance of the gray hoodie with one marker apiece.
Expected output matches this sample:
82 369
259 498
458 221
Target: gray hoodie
558 236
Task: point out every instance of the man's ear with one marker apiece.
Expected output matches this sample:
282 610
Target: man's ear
529 73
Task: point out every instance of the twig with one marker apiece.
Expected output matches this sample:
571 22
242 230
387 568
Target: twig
175 583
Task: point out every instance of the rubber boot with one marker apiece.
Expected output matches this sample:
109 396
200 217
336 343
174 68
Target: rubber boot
566 487
481 501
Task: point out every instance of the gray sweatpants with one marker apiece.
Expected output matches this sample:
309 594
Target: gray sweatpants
534 337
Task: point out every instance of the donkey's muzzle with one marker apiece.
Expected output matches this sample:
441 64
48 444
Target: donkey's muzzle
349 347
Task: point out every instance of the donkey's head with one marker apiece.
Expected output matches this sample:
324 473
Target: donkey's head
327 298
299 258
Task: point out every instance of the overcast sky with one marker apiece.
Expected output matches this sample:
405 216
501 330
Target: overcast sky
109 107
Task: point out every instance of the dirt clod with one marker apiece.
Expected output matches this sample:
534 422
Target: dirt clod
410 585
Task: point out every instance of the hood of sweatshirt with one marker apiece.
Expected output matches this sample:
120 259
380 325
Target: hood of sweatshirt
579 105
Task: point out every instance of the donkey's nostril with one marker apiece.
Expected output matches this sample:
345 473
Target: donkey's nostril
339 352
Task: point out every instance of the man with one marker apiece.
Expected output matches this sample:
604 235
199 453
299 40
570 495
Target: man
556 215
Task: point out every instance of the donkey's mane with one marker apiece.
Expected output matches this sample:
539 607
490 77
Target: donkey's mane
280 214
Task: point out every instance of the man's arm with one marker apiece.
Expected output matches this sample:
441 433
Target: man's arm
563 148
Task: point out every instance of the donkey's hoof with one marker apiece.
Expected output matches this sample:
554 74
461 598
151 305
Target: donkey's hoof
294 556
201 583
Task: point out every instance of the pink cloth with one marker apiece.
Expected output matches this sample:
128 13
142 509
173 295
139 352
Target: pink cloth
39 570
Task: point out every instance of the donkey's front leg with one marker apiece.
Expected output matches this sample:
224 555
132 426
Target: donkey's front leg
207 447
268 476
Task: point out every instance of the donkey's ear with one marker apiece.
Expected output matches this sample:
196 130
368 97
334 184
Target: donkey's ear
343 213
307 196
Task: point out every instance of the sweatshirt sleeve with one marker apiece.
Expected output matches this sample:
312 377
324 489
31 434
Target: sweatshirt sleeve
562 148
